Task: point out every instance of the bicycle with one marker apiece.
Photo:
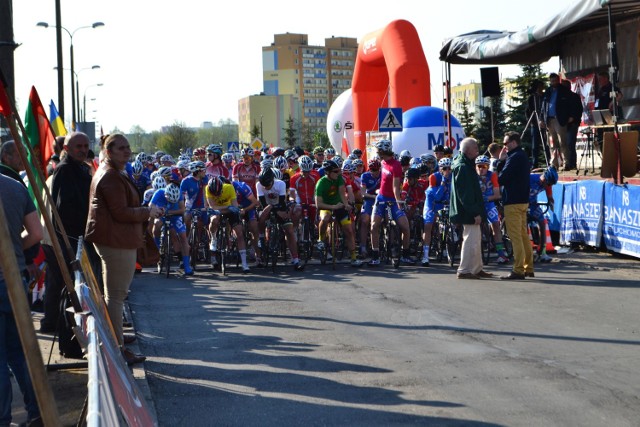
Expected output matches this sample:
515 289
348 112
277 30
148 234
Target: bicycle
390 251
306 235
336 242
538 241
198 240
449 235
222 244
166 248
274 236
486 244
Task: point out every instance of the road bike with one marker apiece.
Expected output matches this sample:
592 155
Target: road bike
389 238
198 239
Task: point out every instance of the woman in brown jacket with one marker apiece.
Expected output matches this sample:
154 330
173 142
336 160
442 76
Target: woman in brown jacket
115 228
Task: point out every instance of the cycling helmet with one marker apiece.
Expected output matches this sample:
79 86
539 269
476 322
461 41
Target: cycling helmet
305 163
280 163
448 151
148 195
266 164
482 160
153 175
438 148
415 162
184 157
167 158
227 158
137 167
277 173
318 150
277 151
444 163
357 152
172 193
330 165
266 177
339 160
384 145
290 155
158 183
196 166
298 150
374 164
348 167
247 152
329 152
164 171
412 173
405 153
214 149
215 185
159 154
199 152
428 158
551 175
352 157
141 157
182 164
357 162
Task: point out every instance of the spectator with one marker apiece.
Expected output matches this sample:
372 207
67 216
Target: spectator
538 132
513 176
10 162
20 214
467 208
57 151
494 155
115 227
575 112
557 114
603 98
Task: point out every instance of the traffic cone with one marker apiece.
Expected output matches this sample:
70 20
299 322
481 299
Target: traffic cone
550 249
533 245
138 267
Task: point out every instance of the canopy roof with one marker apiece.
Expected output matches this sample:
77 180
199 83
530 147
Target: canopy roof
538 43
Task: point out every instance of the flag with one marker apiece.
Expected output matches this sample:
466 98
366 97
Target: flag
39 136
56 121
5 105
345 143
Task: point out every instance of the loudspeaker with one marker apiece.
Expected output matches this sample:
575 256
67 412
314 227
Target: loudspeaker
628 155
490 81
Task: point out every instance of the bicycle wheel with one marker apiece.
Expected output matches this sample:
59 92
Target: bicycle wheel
334 243
222 247
451 243
535 237
393 244
274 246
485 245
508 246
167 253
307 247
194 245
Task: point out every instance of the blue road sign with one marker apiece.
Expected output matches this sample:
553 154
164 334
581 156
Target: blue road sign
389 119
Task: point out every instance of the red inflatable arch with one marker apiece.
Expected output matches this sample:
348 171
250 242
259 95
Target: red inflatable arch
390 59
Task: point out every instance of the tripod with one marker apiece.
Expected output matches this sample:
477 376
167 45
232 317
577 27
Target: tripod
588 152
541 134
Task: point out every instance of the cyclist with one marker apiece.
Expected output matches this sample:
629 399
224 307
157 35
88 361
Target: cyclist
390 192
214 164
282 165
448 152
359 165
429 164
540 182
357 152
354 191
329 153
414 191
193 188
183 168
272 194
437 196
318 154
248 203
331 198
247 171
370 184
491 192
167 160
227 161
221 197
303 186
170 199
438 151
292 162
405 160
141 181
199 154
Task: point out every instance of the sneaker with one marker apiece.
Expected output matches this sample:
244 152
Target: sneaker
356 263
213 247
407 260
246 270
181 265
188 272
544 258
214 262
320 246
502 260
329 257
298 266
374 263
425 261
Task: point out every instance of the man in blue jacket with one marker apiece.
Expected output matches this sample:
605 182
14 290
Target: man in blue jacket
513 176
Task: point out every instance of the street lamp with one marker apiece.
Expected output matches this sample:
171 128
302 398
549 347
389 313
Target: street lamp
73 86
94 67
84 100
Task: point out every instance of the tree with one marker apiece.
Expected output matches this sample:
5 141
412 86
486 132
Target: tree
136 138
485 127
467 119
289 139
255 132
177 138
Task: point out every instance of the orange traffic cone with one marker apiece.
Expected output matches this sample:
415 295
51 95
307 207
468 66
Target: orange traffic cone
138 268
550 249
533 245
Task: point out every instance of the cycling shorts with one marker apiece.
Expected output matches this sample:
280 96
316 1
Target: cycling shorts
429 212
177 224
492 212
380 206
341 215
250 215
367 207
232 218
535 212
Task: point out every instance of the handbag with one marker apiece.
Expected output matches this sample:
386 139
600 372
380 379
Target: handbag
148 255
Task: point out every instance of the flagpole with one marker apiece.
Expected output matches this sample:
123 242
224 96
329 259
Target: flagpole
24 324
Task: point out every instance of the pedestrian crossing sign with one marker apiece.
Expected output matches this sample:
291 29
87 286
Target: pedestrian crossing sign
257 144
389 119
232 147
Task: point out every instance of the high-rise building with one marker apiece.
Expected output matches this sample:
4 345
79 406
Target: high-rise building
266 117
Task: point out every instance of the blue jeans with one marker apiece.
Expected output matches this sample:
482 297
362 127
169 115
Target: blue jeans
11 356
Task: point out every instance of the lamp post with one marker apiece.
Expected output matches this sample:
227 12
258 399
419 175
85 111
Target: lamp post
77 74
84 100
73 85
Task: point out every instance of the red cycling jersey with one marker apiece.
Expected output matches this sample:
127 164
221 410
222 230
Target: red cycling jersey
415 195
247 174
305 186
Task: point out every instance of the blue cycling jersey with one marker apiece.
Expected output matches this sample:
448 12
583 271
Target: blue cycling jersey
535 187
243 191
161 201
371 184
194 190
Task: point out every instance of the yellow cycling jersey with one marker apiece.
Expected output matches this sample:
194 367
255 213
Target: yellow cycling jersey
225 198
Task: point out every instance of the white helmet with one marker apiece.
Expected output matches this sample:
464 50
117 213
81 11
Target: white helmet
196 166
137 167
339 160
167 158
444 162
227 157
158 183
280 163
305 163
266 164
172 193
384 145
183 164
164 171
276 173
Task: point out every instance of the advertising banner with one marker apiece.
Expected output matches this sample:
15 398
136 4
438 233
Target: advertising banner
554 216
622 219
582 215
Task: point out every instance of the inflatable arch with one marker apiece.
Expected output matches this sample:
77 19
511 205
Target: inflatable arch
389 61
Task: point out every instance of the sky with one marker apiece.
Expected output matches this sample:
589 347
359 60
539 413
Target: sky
190 61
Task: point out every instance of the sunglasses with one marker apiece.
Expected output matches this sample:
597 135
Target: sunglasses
445 168
482 166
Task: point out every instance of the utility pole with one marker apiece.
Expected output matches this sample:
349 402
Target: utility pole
60 65
7 46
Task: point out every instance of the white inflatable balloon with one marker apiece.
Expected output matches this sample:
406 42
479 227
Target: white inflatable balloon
339 120
423 129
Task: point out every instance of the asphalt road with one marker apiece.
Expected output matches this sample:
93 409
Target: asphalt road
379 347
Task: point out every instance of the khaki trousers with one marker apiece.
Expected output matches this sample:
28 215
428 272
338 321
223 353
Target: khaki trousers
515 217
560 141
118 268
471 253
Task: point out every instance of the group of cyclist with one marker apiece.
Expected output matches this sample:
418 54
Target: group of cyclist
209 186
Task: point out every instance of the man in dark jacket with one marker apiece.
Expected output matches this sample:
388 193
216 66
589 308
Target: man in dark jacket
70 194
467 208
575 112
557 114
513 176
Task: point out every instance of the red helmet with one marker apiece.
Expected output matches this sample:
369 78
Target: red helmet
374 164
